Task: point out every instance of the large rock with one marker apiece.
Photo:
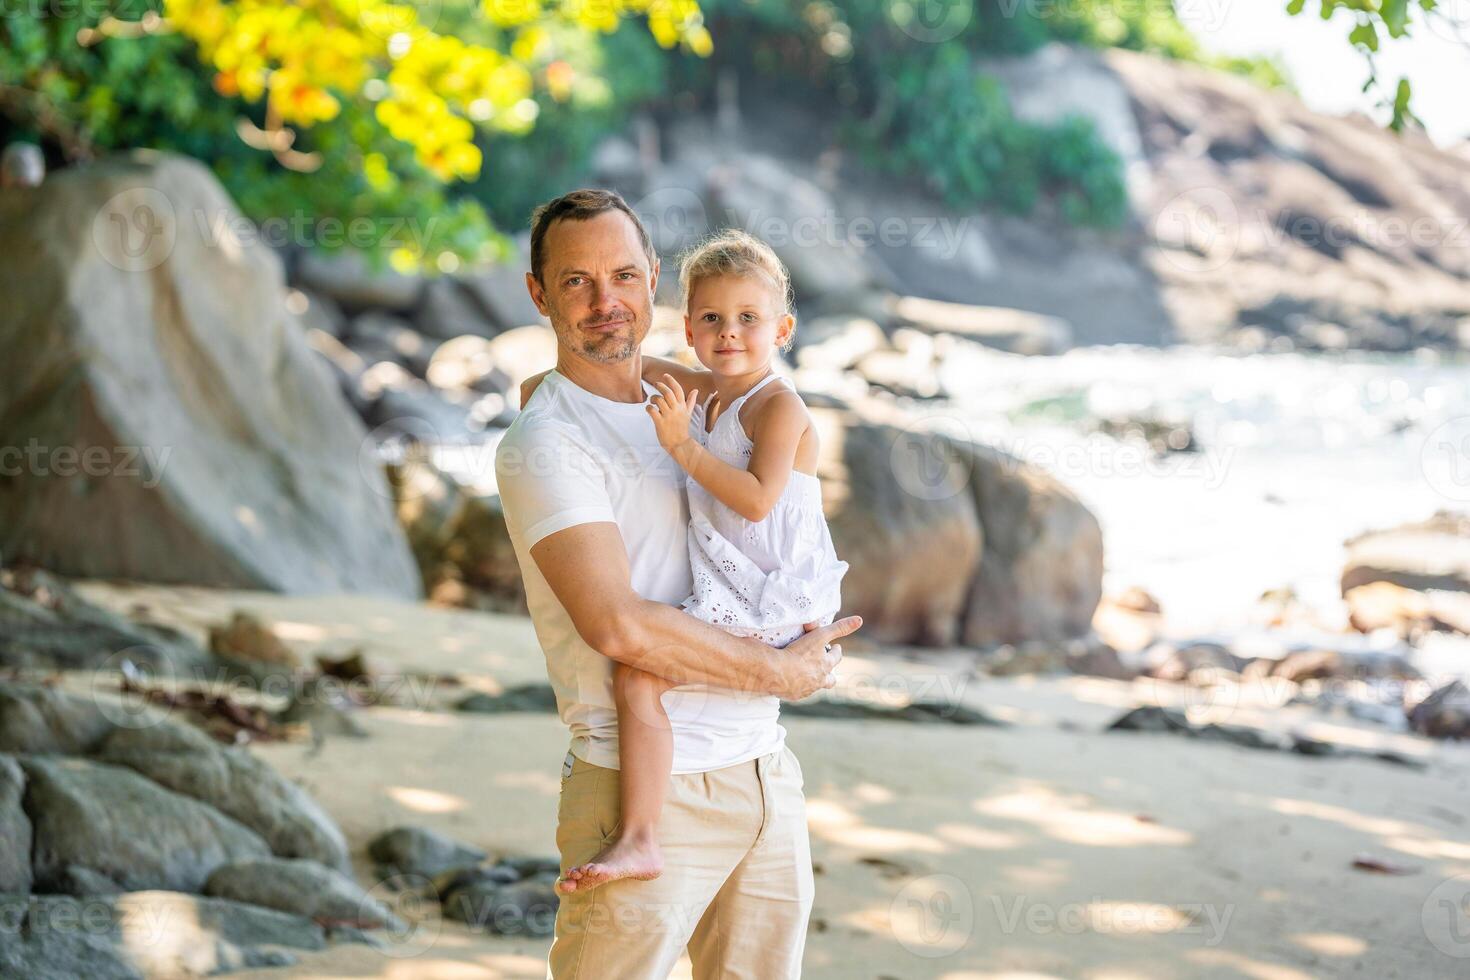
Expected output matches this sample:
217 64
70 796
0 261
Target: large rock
303 888
421 851
113 821
501 289
178 427
1040 576
1430 554
459 538
45 624
234 782
152 934
1017 331
1329 230
907 530
795 217
348 279
15 830
376 336
38 718
450 309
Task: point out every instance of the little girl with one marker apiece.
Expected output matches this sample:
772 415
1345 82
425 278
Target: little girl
759 547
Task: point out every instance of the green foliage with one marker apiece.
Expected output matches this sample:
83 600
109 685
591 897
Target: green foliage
379 137
912 98
1371 21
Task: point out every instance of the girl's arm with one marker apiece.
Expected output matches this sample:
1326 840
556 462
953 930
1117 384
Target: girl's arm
654 369
752 492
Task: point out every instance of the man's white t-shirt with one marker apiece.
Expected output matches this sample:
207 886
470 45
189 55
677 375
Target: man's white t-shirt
572 457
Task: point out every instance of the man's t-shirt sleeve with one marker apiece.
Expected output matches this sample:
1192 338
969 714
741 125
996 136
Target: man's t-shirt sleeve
548 482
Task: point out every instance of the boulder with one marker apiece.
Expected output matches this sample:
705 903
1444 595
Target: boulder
178 427
837 343
38 718
1265 216
525 908
377 336
450 309
1444 714
45 624
1016 331
347 278
151 934
1430 554
792 214
246 638
1040 576
467 363
234 782
303 888
458 536
420 851
522 352
119 824
501 290
899 516
314 311
15 830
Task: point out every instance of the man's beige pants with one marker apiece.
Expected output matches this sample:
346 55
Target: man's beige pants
736 887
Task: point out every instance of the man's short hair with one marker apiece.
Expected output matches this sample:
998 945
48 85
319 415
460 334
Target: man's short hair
580 205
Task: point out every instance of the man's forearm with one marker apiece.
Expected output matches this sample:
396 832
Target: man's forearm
668 642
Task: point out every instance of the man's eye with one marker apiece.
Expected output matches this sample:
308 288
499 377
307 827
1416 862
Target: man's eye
574 281
627 275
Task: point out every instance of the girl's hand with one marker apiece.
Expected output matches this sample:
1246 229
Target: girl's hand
671 410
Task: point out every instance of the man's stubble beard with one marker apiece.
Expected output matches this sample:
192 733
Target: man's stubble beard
614 348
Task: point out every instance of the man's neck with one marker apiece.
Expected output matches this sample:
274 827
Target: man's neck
619 381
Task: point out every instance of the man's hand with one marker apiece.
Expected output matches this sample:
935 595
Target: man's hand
813 663
671 410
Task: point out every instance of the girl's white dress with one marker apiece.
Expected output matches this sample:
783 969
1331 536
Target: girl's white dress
759 578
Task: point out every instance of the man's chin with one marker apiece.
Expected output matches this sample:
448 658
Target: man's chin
610 348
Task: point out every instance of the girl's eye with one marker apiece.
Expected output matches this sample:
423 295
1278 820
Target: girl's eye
748 317
709 318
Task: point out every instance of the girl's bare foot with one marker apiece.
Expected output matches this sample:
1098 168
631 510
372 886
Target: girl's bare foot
632 855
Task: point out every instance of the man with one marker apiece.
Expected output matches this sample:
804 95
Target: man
597 515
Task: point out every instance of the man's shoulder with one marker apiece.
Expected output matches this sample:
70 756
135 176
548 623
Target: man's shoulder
543 420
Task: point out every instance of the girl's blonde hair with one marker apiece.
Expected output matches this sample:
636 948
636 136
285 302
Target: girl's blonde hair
733 252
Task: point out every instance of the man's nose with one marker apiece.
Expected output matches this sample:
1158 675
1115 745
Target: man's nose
601 296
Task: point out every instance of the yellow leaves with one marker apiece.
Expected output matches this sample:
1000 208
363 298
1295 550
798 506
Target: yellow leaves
512 13
430 89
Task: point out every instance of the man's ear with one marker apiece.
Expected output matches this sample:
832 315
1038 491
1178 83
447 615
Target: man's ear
653 278
538 295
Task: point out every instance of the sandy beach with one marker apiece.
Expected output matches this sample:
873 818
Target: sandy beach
1042 849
